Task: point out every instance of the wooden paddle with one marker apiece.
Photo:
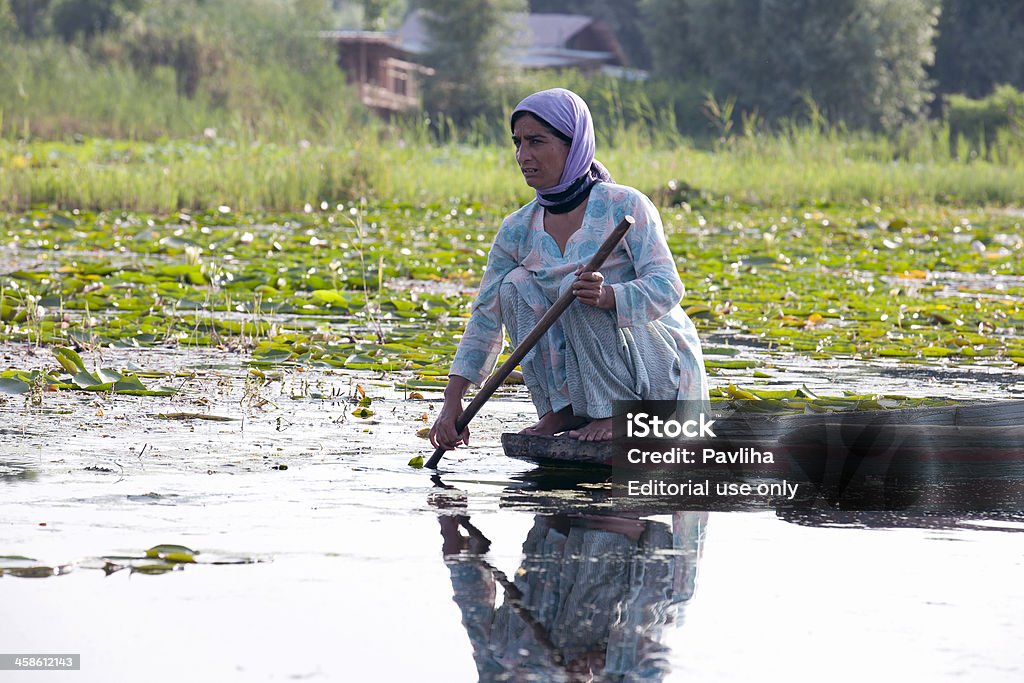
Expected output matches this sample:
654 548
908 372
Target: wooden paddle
549 318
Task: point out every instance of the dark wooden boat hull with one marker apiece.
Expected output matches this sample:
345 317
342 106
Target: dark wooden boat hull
980 433
963 456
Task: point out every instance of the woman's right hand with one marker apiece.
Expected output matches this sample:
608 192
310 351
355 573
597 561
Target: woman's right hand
443 432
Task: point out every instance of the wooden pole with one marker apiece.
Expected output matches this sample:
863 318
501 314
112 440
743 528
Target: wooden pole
549 318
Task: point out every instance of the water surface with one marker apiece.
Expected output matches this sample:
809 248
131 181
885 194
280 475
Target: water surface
323 556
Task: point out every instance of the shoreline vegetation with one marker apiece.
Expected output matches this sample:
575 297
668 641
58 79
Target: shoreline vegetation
87 125
801 167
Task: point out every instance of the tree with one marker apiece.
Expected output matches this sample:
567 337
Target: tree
72 18
979 46
30 15
861 61
467 38
7 22
377 13
674 55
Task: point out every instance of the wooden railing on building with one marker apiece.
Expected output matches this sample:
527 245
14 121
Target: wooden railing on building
396 87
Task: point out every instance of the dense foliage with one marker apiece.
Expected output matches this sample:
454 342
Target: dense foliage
467 39
862 61
177 69
979 46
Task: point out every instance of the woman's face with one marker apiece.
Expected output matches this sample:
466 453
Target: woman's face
540 154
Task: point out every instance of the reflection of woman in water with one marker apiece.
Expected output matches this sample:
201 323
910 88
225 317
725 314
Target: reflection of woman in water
588 603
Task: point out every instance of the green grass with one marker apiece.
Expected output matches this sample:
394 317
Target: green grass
201 173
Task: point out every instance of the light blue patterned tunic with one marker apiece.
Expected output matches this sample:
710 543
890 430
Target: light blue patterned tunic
640 271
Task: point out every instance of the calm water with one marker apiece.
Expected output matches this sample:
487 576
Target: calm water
350 566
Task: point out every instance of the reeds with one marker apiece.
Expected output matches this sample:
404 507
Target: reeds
201 173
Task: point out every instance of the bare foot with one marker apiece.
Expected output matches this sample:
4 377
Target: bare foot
554 423
598 430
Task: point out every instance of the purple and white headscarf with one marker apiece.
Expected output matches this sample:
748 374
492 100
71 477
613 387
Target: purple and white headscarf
566 112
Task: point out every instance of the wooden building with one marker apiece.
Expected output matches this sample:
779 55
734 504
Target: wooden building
387 65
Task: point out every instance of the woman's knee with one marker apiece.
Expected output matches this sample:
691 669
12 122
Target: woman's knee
518 276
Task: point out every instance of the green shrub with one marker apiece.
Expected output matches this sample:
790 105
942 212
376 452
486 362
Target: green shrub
981 124
252 68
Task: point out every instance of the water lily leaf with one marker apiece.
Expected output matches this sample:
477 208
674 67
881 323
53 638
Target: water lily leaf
330 296
735 392
155 568
362 412
35 572
423 385
13 386
192 275
721 351
195 416
896 352
69 360
109 375
417 462
172 553
272 356
804 392
129 383
938 352
86 380
59 221
777 395
700 311
729 364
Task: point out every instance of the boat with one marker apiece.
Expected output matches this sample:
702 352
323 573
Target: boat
957 457
961 427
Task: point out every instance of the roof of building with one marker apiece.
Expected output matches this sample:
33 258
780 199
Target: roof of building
555 30
541 40
352 35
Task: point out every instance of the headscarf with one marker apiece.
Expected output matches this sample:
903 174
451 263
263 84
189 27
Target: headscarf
566 112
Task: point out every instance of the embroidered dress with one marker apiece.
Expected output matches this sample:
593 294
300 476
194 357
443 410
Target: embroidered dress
647 289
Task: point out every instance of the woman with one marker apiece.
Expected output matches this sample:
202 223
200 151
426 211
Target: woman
625 338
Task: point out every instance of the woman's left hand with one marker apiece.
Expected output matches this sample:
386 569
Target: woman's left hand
589 288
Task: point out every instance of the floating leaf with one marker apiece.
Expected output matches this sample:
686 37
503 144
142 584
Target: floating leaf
129 383
86 380
700 311
330 296
69 359
195 416
417 462
172 553
729 364
13 386
155 568
109 375
735 392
